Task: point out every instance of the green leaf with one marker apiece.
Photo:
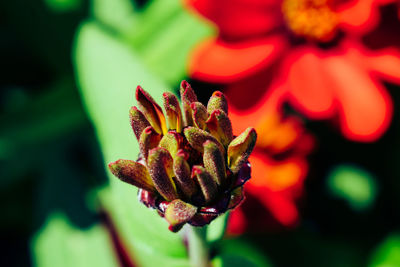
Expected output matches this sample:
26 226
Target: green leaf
63 5
216 230
162 35
353 184
108 71
388 253
239 253
61 244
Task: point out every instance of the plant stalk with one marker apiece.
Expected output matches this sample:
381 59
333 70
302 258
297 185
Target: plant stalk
197 246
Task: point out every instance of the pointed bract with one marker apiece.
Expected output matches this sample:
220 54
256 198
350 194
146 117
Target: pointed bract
214 162
220 126
178 213
182 175
207 184
151 110
138 121
217 101
196 137
160 166
200 115
171 142
187 96
132 173
173 112
149 139
240 148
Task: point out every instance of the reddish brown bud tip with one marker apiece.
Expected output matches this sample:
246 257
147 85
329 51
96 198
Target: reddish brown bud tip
149 139
187 96
182 153
217 101
133 173
151 110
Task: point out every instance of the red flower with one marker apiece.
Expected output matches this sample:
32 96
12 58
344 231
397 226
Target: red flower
310 49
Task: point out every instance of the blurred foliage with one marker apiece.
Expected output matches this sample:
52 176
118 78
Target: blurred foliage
388 253
59 243
353 184
63 5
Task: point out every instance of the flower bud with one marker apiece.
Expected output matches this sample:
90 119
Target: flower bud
191 171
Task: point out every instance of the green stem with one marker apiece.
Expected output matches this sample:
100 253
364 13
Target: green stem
197 246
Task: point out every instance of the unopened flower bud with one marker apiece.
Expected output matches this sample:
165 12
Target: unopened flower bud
190 171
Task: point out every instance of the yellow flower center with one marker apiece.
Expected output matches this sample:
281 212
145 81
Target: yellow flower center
313 19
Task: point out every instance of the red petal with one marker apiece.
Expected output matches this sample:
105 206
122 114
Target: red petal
216 61
386 64
240 18
308 86
317 82
365 106
359 15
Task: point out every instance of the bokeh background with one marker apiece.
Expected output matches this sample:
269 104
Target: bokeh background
326 178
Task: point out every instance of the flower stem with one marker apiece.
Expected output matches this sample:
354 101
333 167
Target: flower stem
197 246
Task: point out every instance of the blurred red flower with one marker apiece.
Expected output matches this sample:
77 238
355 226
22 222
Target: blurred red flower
279 167
310 49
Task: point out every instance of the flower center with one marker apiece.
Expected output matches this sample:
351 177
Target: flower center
313 19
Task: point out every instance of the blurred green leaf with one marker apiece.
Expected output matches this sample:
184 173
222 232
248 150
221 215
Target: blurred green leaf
353 184
108 72
388 253
61 244
162 34
216 230
63 5
25 141
239 253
